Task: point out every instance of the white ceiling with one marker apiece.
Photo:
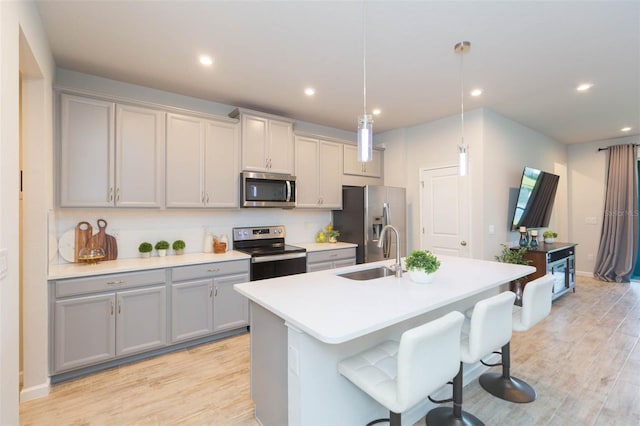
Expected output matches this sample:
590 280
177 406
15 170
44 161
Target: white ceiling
527 56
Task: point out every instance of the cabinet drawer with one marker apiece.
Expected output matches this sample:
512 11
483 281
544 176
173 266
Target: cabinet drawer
109 282
182 273
331 255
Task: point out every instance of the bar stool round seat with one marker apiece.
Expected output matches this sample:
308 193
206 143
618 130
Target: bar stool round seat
399 375
536 305
489 328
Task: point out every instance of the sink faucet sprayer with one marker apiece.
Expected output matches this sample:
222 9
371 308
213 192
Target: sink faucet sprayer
397 267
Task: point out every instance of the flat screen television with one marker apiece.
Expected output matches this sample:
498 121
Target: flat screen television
535 199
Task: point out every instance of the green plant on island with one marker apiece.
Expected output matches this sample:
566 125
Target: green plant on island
422 260
549 234
178 245
145 247
162 245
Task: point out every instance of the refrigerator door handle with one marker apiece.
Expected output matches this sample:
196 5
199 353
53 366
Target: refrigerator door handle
386 246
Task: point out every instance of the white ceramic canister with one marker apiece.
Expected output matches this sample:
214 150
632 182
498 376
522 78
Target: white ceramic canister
224 239
207 245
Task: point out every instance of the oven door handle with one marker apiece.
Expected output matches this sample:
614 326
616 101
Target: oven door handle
277 257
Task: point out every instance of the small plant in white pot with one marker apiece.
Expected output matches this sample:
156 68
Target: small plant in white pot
178 246
421 265
549 236
145 249
162 246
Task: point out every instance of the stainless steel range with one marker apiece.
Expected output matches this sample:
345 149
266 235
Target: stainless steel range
270 256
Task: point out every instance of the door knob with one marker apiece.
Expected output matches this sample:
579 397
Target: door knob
463 243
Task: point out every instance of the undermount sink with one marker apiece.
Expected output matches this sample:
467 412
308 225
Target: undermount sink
369 274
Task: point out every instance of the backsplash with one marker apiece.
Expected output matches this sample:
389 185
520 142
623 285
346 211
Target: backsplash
131 227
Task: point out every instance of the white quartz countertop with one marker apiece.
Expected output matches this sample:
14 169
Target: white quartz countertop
311 247
335 309
73 270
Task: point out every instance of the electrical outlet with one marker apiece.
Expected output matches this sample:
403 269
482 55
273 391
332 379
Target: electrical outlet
590 257
591 220
4 262
492 229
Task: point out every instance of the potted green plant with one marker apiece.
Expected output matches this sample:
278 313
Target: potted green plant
516 256
332 235
549 236
178 246
421 265
162 246
145 249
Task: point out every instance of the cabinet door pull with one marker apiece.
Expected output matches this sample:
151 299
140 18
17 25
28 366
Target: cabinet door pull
111 307
118 194
210 291
216 291
333 255
115 282
213 270
207 197
119 307
111 193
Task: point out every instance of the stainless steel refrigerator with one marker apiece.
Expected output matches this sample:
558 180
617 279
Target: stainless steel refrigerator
365 210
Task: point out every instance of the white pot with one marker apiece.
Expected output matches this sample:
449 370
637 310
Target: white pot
549 240
162 252
147 254
420 277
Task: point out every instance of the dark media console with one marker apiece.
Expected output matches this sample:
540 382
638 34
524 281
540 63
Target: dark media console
558 259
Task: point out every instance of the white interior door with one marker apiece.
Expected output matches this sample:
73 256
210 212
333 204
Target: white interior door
444 212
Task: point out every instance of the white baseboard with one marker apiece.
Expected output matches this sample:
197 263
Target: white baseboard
584 274
35 392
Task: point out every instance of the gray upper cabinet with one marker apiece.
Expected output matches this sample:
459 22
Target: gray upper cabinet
354 167
267 143
318 173
202 163
110 155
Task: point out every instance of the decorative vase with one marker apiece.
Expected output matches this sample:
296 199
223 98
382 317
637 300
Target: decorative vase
146 254
421 277
162 252
524 239
333 240
549 240
181 251
534 242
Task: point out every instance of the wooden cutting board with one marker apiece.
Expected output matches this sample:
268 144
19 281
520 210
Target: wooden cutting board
84 231
108 243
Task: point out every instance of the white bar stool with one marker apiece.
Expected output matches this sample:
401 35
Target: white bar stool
399 375
489 328
536 305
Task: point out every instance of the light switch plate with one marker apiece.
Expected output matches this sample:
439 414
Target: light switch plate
4 262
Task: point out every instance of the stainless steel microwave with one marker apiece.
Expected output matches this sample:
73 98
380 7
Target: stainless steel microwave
267 190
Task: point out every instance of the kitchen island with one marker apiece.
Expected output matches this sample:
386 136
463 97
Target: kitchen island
302 325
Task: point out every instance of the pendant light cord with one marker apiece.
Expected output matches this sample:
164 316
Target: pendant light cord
364 55
461 100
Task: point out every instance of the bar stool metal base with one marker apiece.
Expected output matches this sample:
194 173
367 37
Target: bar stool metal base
508 388
444 416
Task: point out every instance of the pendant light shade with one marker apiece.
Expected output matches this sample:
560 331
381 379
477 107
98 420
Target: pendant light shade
365 138
461 48
365 121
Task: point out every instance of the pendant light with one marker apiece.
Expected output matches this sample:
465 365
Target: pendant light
461 48
365 121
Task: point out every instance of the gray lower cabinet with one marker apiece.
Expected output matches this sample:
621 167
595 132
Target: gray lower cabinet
203 300
102 319
97 319
330 259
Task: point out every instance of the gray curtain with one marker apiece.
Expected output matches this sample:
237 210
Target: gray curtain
619 238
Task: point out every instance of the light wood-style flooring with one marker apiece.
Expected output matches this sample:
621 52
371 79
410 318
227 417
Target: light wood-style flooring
583 360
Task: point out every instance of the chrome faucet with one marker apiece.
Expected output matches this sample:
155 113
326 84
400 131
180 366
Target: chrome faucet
397 267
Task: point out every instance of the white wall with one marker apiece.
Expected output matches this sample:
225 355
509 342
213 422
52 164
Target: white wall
499 149
587 176
508 148
17 18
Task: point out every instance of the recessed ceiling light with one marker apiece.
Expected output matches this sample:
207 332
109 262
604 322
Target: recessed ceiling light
584 87
625 129
376 111
309 91
205 60
476 92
